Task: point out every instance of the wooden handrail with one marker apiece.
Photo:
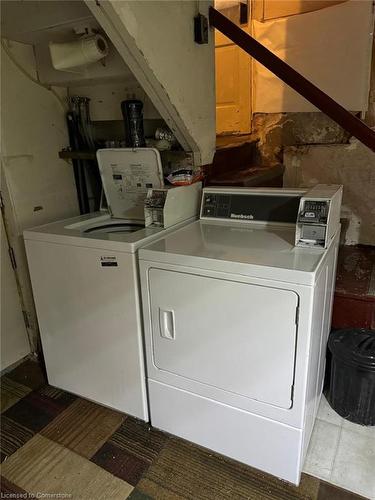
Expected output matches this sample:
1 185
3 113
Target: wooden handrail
291 77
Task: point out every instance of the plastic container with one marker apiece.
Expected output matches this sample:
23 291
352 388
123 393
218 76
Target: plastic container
352 385
132 111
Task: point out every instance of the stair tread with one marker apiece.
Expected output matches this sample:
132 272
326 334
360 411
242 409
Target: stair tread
233 141
356 272
248 176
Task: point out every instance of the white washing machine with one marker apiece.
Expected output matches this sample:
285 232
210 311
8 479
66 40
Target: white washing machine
84 274
237 311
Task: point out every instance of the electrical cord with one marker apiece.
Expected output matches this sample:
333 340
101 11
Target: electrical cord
30 77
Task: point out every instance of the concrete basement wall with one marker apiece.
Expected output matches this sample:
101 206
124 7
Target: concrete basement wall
37 186
314 149
275 131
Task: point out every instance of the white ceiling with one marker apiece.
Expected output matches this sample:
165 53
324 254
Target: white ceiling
34 22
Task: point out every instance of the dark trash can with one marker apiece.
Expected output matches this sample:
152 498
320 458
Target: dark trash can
352 386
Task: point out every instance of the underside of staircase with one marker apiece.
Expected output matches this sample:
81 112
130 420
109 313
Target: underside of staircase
237 163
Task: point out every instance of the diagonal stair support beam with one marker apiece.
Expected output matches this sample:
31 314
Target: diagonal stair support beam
155 39
295 80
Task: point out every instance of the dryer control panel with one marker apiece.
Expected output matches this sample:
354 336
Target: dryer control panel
314 212
251 205
318 216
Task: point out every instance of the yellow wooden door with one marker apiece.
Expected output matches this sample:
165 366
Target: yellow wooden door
233 87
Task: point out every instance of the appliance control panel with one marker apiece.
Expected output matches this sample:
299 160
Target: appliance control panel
167 206
312 222
318 216
154 207
250 205
216 205
314 212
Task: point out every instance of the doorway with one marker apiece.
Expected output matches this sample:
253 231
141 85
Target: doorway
233 73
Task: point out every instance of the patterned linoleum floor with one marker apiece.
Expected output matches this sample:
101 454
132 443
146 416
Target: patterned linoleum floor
57 445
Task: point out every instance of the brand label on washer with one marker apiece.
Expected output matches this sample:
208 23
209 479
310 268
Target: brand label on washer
108 261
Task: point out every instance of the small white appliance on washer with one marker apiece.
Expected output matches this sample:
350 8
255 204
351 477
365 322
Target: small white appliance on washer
236 320
84 275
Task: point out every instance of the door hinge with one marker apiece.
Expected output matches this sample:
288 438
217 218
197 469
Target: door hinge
1 201
26 319
12 258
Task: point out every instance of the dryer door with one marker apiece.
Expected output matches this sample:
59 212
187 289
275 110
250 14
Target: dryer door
234 336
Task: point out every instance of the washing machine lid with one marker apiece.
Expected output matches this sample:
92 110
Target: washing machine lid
258 251
127 174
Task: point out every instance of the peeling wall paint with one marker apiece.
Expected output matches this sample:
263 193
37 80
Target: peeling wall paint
278 130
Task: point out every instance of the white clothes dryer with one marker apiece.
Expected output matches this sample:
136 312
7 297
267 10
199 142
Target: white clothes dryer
236 320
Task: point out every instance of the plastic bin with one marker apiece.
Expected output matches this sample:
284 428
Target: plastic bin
352 384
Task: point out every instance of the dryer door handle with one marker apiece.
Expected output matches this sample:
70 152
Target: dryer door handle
166 323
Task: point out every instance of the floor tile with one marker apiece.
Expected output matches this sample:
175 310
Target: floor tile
354 466
7 489
45 466
184 471
330 492
120 463
36 410
139 439
328 414
28 373
367 431
13 436
84 427
322 449
62 398
11 392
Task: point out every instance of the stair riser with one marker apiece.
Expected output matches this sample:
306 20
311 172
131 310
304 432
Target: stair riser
351 312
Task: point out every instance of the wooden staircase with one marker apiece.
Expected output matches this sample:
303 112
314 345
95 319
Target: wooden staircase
354 301
238 163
